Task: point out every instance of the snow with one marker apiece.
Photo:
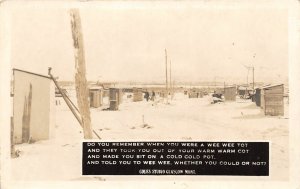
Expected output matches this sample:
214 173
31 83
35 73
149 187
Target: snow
184 119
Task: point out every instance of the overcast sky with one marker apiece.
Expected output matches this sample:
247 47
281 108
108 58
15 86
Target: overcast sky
127 44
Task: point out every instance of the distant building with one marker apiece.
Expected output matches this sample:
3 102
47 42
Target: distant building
137 94
194 93
33 106
115 98
244 90
257 97
272 99
96 96
230 93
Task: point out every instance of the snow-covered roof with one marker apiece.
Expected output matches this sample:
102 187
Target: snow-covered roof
40 75
95 87
269 86
244 88
233 86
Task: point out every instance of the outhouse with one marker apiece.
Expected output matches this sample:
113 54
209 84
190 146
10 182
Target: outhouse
230 93
113 98
257 97
96 96
137 94
33 107
194 93
272 99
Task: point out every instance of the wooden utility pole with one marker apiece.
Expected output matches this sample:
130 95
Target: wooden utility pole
171 90
80 79
167 91
69 103
253 77
224 88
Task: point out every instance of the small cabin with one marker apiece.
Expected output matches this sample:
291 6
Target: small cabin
113 99
96 96
230 93
33 107
257 97
195 93
137 94
272 99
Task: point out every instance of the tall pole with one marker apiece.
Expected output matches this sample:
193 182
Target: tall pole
166 74
80 78
247 76
68 101
253 77
171 90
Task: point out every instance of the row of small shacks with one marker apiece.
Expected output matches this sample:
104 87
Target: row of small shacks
34 104
228 92
269 97
96 94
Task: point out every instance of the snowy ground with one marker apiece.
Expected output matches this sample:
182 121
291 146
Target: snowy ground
183 119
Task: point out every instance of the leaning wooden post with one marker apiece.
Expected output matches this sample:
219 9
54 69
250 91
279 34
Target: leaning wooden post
80 79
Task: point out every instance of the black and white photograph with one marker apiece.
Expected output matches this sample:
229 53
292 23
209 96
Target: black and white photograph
176 94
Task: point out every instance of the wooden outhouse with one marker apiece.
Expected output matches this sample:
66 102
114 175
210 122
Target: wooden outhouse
219 90
96 96
272 100
230 93
241 90
120 96
195 93
257 97
137 94
113 98
33 107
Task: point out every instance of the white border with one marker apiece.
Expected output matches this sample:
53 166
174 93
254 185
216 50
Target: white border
294 78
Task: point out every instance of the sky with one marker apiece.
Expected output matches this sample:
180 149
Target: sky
128 44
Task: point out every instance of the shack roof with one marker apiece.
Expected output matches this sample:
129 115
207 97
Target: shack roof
95 87
233 86
270 86
244 88
44 76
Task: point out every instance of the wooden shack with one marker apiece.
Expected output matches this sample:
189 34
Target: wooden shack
33 107
272 100
96 96
194 93
219 90
120 96
137 94
201 94
230 93
257 97
113 99
105 93
162 94
241 90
